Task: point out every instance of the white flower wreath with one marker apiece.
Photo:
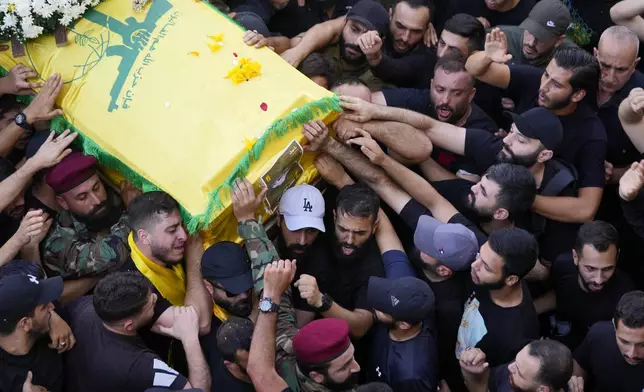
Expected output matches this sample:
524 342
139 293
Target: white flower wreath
28 19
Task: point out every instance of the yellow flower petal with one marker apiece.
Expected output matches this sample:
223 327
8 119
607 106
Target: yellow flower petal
215 47
193 53
217 37
249 143
245 70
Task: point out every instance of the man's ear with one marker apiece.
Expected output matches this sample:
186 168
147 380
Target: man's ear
501 214
209 287
26 324
511 280
575 257
444 271
595 52
62 203
545 156
375 225
142 237
129 326
578 96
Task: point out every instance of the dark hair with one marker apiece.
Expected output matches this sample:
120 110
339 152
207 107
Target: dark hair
374 387
584 67
469 27
518 249
234 334
318 64
555 362
453 62
22 267
145 208
599 234
351 81
415 4
358 200
121 295
306 368
630 310
6 168
517 187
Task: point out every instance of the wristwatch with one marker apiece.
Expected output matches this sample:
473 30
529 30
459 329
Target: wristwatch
21 121
327 301
266 305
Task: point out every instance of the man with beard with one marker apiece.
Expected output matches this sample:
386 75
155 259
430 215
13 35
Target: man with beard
499 316
227 276
301 238
111 356
404 350
26 311
353 259
533 138
571 76
89 235
611 357
163 252
233 343
542 365
587 283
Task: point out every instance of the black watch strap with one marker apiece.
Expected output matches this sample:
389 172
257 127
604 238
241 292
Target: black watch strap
21 121
327 302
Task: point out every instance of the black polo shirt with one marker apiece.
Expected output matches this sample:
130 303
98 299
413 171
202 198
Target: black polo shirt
293 19
413 69
620 152
577 310
315 263
103 360
477 8
45 364
584 138
507 330
409 366
607 370
499 380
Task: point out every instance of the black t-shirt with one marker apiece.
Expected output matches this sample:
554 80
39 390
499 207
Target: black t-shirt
502 332
408 366
8 227
578 310
455 191
620 152
477 8
33 203
584 138
314 263
450 294
412 69
103 360
607 370
45 364
293 19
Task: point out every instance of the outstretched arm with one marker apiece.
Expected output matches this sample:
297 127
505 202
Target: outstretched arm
578 209
631 115
489 65
316 38
627 13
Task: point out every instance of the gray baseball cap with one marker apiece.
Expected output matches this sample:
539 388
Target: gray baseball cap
453 244
548 19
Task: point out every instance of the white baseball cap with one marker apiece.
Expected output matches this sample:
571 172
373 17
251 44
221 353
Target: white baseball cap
303 207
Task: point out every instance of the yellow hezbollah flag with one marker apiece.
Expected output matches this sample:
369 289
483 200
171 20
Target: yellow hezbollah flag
171 98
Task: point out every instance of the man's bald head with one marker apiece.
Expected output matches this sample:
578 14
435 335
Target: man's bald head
617 55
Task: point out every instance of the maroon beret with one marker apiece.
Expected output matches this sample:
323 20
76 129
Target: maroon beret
72 171
321 341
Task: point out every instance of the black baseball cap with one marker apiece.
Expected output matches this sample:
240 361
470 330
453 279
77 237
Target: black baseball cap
547 20
20 294
371 14
227 263
405 299
541 124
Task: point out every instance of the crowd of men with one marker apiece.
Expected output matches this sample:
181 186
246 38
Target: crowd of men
477 227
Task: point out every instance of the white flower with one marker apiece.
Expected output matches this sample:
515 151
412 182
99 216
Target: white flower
9 21
31 31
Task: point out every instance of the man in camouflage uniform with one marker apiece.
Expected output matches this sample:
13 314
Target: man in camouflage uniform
262 252
89 235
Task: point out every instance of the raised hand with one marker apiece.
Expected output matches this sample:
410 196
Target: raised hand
245 203
128 192
42 106
576 384
496 46
317 134
360 111
16 82
345 129
430 38
636 100
278 277
33 227
185 324
53 150
332 171
309 290
29 387
62 338
632 181
369 147
370 44
472 360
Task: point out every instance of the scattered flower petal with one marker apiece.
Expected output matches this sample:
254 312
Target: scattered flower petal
263 106
244 71
193 53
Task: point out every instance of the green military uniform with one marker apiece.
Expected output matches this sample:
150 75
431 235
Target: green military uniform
514 35
262 252
362 72
71 251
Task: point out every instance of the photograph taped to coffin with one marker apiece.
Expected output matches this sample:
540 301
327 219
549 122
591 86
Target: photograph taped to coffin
171 98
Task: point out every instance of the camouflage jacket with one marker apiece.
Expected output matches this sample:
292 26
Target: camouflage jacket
262 252
71 251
